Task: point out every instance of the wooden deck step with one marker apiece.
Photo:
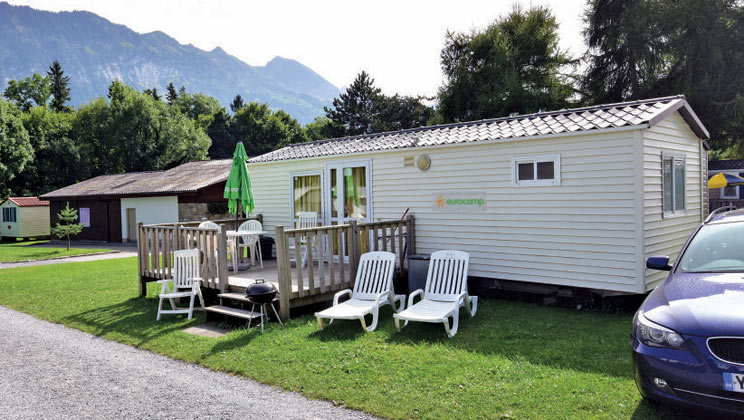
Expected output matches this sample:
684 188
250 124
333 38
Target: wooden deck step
239 297
238 313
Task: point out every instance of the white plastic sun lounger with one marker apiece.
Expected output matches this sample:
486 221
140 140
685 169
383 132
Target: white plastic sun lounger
446 291
373 289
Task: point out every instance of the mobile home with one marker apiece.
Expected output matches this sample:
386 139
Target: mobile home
576 197
24 217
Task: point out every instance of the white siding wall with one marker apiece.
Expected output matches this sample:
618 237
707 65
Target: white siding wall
665 235
10 229
34 221
580 233
149 210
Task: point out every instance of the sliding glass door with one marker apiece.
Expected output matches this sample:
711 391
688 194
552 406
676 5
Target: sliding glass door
348 192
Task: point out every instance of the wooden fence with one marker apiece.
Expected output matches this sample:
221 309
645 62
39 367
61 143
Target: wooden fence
156 243
331 255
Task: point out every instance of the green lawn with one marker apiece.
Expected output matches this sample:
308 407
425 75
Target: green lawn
512 361
23 251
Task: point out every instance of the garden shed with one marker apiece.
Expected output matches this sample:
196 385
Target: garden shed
575 197
110 206
24 217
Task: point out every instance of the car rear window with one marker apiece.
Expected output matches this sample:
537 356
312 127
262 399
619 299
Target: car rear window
716 248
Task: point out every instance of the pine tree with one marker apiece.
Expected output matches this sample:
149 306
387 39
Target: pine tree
67 216
172 95
152 92
356 109
237 103
60 87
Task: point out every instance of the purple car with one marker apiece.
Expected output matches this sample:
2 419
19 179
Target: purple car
688 335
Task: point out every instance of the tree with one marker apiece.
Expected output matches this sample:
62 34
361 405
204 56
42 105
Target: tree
171 94
647 48
67 216
59 87
237 103
15 147
34 88
263 130
513 65
152 92
356 108
363 109
322 128
223 141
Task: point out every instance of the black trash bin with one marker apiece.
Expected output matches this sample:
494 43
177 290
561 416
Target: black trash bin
418 267
267 247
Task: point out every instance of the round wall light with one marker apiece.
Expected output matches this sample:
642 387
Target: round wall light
423 162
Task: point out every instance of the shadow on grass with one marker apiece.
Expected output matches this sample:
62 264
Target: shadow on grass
582 341
133 318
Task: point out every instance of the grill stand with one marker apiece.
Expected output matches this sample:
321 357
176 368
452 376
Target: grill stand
263 314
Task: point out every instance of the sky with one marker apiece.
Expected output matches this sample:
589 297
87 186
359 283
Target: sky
396 42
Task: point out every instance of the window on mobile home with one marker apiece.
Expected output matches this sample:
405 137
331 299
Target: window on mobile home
9 214
540 170
306 194
673 174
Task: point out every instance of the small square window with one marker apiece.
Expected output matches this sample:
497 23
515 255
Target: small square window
545 170
540 170
526 172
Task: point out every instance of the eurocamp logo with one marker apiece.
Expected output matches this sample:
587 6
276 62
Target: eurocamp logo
460 201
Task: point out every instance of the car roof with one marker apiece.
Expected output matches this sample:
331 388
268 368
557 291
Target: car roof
725 215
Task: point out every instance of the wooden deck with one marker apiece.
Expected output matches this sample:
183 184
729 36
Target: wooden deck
237 282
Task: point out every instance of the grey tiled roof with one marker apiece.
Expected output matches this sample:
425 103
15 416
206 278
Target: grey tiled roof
725 165
189 177
598 117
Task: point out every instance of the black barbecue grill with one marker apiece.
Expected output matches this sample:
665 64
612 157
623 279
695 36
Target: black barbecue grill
261 293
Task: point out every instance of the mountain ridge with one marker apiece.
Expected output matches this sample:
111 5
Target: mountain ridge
94 51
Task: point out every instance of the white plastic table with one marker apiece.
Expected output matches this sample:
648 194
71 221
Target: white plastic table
232 237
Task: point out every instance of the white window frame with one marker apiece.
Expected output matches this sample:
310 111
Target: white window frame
556 159
723 189
292 175
7 211
674 211
367 163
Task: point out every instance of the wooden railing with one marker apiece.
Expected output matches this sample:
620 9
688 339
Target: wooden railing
331 255
156 243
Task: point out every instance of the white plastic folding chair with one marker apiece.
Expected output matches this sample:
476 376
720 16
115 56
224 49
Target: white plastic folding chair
446 291
306 220
186 283
212 225
251 242
373 288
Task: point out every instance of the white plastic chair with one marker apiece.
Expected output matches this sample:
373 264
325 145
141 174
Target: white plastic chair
212 225
307 219
185 277
446 291
373 288
251 242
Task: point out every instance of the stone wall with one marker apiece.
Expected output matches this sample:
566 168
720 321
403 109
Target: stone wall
190 212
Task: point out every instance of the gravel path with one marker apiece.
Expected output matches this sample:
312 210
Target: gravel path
48 371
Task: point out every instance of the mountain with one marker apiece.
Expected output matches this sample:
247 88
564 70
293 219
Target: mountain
94 51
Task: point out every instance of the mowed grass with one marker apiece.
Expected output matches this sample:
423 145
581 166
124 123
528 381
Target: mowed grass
514 360
25 251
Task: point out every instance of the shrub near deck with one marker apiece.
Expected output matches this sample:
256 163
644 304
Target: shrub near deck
512 361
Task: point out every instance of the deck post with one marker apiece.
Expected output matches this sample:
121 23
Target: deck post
355 248
283 271
142 262
177 236
411 235
222 259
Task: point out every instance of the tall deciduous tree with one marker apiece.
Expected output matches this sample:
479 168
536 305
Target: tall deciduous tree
15 147
34 88
646 48
513 65
263 130
59 87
